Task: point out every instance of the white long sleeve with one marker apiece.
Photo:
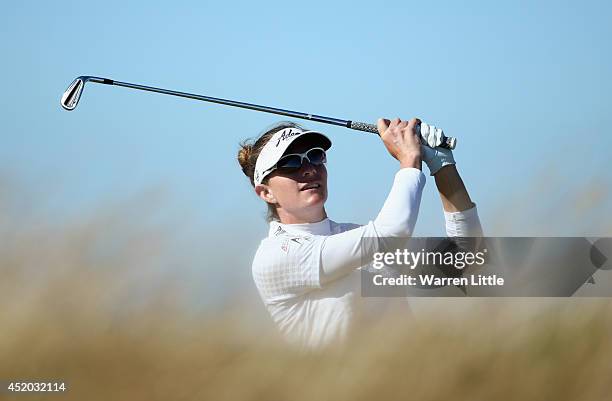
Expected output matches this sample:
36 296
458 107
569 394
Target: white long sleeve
341 253
463 224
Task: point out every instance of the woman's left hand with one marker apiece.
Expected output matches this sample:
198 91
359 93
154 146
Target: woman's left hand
433 155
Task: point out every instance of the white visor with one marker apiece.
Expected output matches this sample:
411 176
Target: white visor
276 147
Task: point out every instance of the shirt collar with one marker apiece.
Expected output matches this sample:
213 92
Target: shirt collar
322 227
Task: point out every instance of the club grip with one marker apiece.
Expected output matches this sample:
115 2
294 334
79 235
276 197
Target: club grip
447 141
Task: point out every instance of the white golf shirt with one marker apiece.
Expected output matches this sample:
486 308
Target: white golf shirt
308 274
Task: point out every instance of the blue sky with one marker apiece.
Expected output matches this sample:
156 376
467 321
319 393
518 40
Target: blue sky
525 86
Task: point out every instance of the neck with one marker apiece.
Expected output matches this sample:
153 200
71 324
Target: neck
302 218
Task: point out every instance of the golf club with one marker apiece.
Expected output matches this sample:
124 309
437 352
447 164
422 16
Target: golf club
72 95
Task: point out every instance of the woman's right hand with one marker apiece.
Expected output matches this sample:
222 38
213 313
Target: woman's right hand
401 140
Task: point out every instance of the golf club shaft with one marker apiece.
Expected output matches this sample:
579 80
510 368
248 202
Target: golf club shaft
448 143
233 103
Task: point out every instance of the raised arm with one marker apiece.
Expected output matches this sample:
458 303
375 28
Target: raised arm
342 253
454 195
459 211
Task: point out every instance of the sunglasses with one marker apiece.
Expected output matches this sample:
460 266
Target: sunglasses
293 161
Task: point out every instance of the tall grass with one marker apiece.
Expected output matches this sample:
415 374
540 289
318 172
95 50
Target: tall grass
91 303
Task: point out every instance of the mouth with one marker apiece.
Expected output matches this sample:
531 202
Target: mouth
313 185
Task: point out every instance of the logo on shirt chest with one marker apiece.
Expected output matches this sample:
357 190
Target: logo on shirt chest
297 240
285 246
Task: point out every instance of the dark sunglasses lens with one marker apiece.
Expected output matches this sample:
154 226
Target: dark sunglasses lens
316 156
289 162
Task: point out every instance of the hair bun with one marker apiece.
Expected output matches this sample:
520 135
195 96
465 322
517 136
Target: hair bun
251 148
244 156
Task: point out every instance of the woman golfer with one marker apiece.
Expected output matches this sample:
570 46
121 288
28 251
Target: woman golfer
307 269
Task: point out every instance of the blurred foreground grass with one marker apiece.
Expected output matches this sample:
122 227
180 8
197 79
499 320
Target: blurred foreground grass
92 303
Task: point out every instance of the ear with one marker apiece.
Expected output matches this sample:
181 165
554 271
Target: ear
265 193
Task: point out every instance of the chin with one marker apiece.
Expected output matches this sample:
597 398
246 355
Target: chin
318 197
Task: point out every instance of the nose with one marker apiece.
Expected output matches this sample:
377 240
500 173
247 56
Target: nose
308 168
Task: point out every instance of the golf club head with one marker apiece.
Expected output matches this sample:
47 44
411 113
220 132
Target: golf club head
70 98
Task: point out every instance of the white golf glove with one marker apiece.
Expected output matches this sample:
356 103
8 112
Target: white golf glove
434 156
